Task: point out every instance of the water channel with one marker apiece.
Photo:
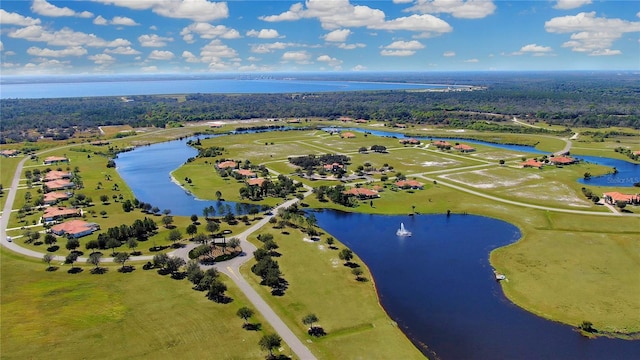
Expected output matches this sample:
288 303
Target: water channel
437 285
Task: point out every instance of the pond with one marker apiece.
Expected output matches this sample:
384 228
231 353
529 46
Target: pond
147 171
439 287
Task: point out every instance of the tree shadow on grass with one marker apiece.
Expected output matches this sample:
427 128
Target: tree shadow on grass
252 327
53 248
75 270
99 270
52 268
352 265
316 331
126 269
179 275
362 279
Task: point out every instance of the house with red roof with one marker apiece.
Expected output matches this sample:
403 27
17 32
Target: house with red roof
362 193
409 184
229 164
636 152
411 141
401 126
614 196
54 213
75 228
464 148
347 135
562 160
246 173
333 167
9 153
345 118
55 196
361 121
441 144
532 163
255 181
57 175
55 160
60 184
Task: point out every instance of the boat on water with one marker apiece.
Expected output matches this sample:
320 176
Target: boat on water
402 231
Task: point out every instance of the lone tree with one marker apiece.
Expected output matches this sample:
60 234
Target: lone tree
95 259
48 258
121 258
234 242
357 272
216 291
71 258
245 313
192 229
346 255
194 218
309 320
270 342
212 227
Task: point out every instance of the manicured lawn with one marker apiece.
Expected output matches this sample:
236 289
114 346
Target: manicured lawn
348 310
117 316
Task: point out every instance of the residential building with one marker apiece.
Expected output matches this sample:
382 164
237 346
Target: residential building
54 213
464 148
75 228
409 184
614 196
362 193
55 160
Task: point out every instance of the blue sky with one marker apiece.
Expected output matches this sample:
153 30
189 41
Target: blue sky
189 36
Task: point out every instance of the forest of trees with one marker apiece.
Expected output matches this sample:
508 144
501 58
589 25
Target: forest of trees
571 99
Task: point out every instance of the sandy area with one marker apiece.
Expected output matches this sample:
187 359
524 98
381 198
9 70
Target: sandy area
482 179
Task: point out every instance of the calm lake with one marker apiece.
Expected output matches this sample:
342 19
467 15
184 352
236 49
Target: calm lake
437 285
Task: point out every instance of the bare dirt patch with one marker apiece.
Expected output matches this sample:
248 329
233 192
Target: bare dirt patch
485 179
550 191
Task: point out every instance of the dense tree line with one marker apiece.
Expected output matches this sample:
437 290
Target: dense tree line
311 161
571 99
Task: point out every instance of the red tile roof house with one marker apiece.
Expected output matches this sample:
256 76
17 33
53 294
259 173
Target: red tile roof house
531 163
636 152
345 118
409 184
58 185
410 141
226 164
333 167
54 213
255 182
54 197
561 160
614 196
9 153
246 173
362 193
464 148
348 135
361 121
55 159
57 175
442 144
75 228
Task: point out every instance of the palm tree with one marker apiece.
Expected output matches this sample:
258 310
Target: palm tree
270 342
309 320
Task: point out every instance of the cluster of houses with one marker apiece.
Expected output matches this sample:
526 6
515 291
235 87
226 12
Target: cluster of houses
445 145
9 153
554 160
366 194
250 177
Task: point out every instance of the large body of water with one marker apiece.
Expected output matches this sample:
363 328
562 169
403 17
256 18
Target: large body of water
437 285
22 90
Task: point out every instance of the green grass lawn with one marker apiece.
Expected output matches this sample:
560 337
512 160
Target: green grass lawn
348 310
117 316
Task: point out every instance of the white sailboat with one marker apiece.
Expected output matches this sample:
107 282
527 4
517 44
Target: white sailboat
402 231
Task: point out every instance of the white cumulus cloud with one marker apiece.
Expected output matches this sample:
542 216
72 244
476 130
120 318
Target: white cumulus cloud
42 7
161 55
339 35
464 9
208 31
123 21
70 51
122 50
263 33
570 4
102 59
64 37
333 62
591 34
301 57
195 10
449 54
7 18
267 48
153 40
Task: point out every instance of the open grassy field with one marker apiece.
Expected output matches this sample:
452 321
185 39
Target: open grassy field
117 316
349 312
